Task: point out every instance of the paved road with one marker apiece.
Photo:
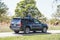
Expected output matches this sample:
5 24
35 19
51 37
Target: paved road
8 34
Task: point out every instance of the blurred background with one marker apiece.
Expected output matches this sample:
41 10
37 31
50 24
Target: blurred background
47 11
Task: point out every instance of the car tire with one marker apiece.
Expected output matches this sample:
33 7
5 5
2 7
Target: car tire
16 31
44 30
27 30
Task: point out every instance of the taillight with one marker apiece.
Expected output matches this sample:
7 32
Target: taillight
20 24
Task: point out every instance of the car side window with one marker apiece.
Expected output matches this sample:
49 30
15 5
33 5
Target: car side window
36 21
30 21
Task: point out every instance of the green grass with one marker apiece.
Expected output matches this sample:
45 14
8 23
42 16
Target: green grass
34 37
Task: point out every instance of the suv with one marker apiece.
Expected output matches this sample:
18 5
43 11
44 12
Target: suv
27 24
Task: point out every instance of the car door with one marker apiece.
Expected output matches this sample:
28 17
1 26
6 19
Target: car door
37 24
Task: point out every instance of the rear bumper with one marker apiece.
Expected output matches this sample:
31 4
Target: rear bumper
16 28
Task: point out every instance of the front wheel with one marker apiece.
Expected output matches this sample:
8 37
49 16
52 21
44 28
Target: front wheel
44 30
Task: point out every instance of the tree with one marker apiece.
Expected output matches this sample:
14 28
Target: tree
3 9
57 14
26 7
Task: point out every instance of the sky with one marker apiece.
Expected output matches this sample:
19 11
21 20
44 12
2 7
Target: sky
44 6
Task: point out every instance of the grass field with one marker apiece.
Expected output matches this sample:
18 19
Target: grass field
7 29
34 37
54 28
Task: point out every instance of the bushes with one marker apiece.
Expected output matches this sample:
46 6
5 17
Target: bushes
54 21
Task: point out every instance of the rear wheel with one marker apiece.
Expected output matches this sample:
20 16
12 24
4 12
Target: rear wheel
44 30
27 30
16 31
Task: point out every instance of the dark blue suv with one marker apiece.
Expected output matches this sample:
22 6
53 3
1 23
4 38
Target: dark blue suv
27 24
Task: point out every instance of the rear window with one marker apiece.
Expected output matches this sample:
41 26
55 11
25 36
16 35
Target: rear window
15 19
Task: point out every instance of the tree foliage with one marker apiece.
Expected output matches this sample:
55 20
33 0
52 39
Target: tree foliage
3 10
26 7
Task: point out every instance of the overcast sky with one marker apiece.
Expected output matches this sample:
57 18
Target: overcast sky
44 6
